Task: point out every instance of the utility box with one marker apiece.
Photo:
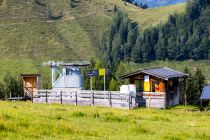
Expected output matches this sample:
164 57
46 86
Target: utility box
128 89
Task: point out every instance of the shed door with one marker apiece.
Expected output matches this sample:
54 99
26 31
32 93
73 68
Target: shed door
30 86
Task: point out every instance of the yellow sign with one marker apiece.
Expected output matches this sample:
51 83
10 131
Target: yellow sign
146 86
102 72
146 83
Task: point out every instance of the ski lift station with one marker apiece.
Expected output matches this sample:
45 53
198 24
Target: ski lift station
156 87
70 76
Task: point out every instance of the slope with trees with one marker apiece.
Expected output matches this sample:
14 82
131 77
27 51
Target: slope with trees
184 36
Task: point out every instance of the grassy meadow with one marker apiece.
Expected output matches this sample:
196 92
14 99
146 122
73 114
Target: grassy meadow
24 120
147 17
29 37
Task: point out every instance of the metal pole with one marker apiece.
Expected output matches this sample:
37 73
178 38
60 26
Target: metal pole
91 84
104 82
53 75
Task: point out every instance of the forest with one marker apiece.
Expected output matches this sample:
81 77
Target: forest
184 36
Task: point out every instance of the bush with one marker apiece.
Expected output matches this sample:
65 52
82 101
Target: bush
10 86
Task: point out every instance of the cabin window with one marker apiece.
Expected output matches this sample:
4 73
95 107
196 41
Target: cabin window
157 86
139 85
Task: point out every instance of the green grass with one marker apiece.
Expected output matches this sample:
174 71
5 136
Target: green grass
146 17
24 120
29 37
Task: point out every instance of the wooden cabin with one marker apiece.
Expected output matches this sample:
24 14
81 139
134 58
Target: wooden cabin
156 87
31 83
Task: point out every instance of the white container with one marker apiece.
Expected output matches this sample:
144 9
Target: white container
128 89
132 88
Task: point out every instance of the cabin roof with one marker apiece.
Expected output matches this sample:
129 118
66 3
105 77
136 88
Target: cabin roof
162 73
206 93
30 75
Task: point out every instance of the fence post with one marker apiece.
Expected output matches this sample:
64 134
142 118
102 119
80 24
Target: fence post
110 99
149 101
32 98
129 103
92 97
61 97
32 95
76 98
46 96
32 92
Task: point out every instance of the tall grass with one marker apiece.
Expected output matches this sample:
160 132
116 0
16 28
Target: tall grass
24 120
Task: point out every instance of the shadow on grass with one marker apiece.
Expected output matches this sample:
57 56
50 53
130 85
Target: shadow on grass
78 114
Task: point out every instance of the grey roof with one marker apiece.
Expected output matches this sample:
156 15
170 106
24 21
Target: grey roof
162 73
206 93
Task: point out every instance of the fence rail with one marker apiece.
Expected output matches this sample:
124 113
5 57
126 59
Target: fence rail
85 97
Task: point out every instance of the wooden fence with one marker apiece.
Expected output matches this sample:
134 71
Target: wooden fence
85 97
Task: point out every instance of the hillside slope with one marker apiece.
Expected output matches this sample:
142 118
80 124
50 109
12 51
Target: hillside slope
33 31
147 17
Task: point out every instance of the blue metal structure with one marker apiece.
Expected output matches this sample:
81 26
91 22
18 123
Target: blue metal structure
69 77
206 93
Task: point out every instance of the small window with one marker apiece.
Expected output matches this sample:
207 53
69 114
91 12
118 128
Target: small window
156 86
139 85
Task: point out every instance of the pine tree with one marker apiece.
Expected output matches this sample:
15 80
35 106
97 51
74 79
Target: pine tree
131 40
136 54
199 83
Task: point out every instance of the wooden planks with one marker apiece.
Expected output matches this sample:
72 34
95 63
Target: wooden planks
82 97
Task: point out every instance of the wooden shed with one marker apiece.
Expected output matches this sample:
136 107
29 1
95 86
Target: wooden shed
156 87
31 83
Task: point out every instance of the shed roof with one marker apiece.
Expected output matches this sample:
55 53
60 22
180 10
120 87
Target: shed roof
30 75
162 73
206 93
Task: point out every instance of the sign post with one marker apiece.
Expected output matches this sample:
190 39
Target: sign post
92 73
102 72
91 85
104 82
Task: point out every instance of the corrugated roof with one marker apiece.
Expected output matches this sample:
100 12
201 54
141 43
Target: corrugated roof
206 93
162 73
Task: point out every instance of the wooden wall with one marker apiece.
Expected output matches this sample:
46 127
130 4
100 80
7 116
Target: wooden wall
158 84
30 84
